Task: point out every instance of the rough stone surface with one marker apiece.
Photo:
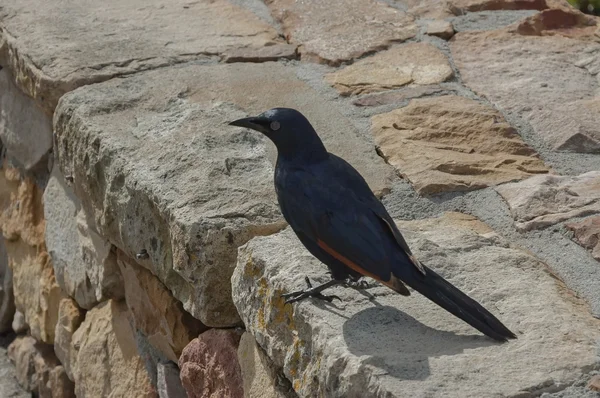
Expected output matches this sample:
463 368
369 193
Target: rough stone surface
18 323
49 54
70 317
488 20
587 234
594 383
7 299
264 54
398 96
104 359
329 350
563 21
419 63
552 86
540 201
38 370
9 386
84 265
259 375
25 129
36 292
461 6
169 383
209 365
191 189
341 30
441 29
451 143
155 312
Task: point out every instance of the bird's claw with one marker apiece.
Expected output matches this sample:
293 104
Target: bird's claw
360 284
299 295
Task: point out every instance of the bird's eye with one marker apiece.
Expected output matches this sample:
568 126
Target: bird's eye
275 126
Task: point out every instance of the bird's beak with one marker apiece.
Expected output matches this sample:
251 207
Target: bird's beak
255 123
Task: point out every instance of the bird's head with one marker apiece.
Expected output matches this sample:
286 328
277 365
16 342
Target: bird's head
289 130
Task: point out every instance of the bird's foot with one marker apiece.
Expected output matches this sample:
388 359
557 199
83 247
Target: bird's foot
312 292
359 284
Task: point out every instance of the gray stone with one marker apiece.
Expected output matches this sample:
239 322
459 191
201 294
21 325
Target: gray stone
191 189
168 383
377 343
7 299
540 201
18 323
489 20
25 129
553 86
84 265
52 47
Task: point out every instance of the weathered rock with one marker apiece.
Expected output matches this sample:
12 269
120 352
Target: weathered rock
398 96
419 63
104 359
18 324
564 21
587 234
9 386
38 370
7 299
21 220
452 143
259 375
84 265
558 98
49 55
209 365
441 29
155 312
331 351
341 30
169 383
70 317
462 6
263 54
594 383
488 20
540 201
191 189
25 129
430 9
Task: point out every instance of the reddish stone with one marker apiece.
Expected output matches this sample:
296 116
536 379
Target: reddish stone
566 21
587 234
210 367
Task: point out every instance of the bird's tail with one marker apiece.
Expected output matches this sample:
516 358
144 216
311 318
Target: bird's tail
447 296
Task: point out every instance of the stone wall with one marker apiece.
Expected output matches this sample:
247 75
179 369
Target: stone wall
143 253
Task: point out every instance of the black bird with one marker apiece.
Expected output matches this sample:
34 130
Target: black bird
335 215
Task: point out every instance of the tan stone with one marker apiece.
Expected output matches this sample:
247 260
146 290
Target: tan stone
104 359
341 30
70 317
441 29
398 96
49 54
451 143
209 365
155 312
58 385
540 201
259 374
430 9
419 63
594 383
563 21
587 234
36 292
263 54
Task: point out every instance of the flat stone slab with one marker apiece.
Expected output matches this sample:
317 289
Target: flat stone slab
52 47
172 185
390 344
541 201
553 86
418 63
587 234
452 143
335 31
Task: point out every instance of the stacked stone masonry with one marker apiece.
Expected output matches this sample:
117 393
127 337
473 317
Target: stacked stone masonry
142 250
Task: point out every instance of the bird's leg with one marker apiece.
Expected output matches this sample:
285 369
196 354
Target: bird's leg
312 292
360 284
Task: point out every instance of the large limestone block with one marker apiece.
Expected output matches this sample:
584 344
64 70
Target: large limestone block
335 31
540 201
37 295
549 81
25 129
451 143
84 265
380 344
171 184
104 359
155 312
52 47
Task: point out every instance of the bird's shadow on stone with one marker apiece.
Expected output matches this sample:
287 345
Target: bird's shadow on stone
401 346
